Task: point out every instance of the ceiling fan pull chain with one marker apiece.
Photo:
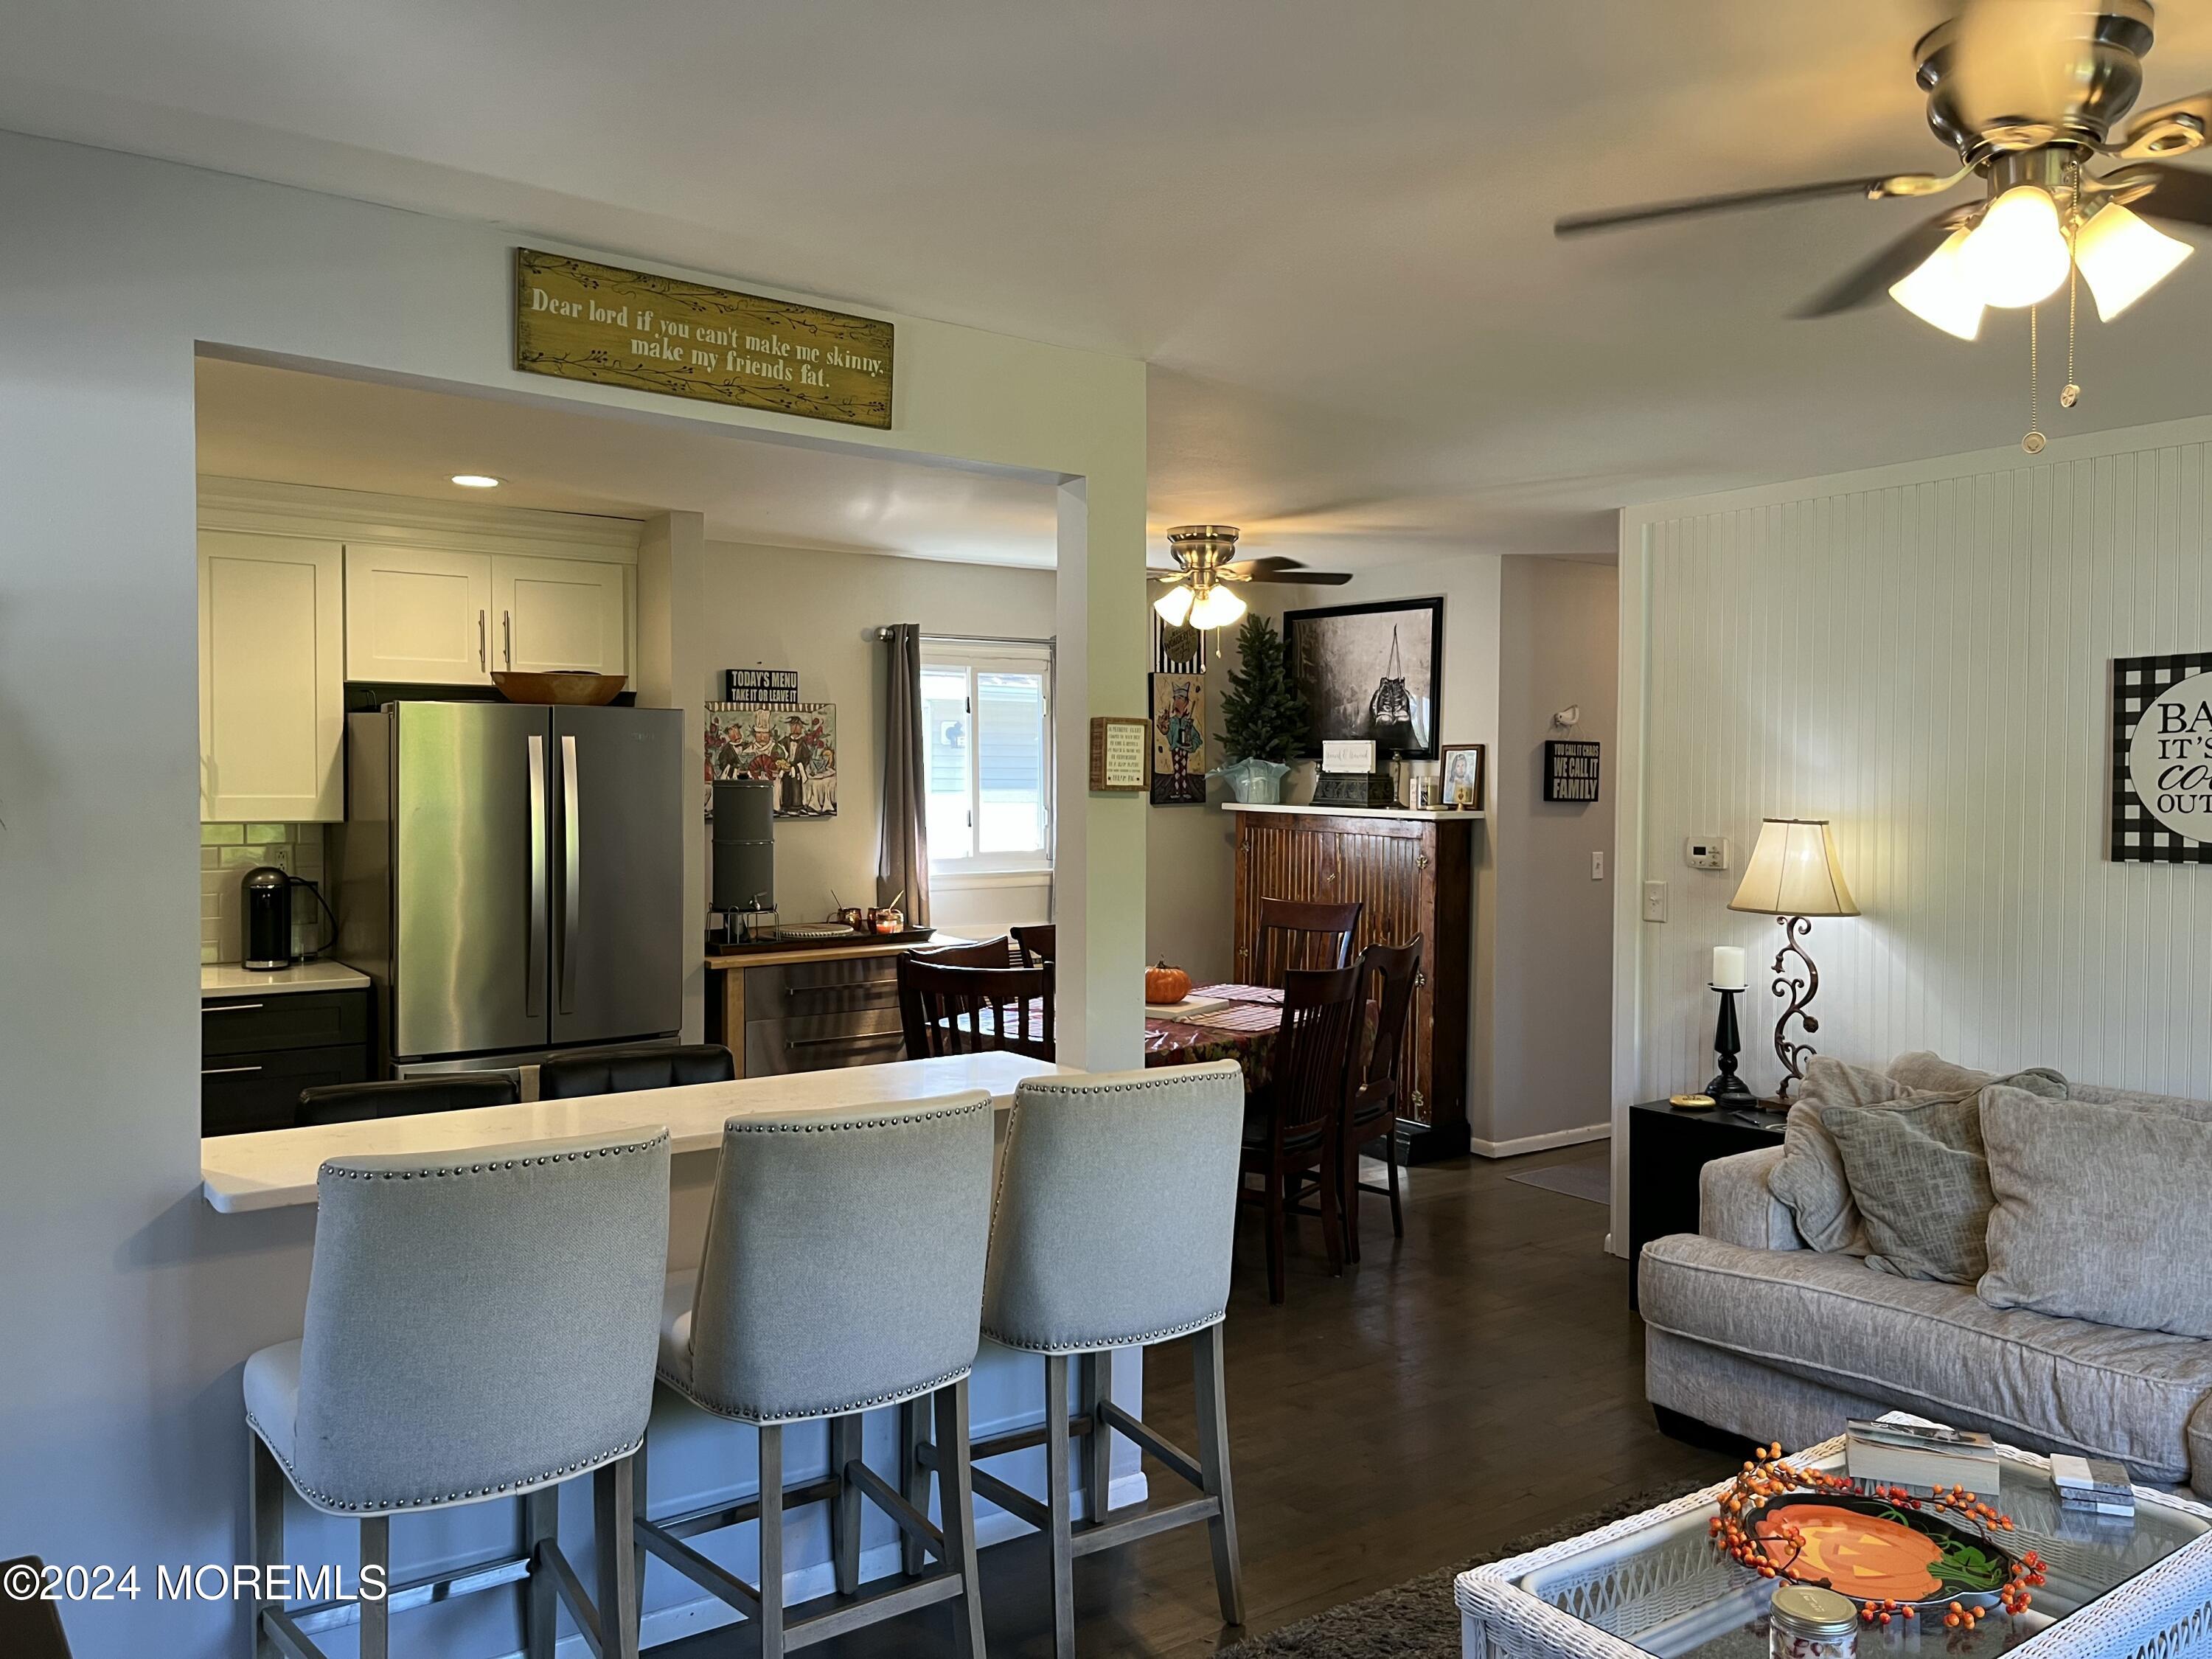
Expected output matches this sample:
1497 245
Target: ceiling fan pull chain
2070 393
2033 442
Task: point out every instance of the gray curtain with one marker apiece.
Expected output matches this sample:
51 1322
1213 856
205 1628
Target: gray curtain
902 842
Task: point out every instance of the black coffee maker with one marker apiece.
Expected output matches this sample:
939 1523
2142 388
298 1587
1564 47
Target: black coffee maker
267 892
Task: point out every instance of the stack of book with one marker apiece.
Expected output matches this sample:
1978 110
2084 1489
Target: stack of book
1920 1457
2096 1485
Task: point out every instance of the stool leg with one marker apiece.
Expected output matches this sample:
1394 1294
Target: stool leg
845 1508
615 1509
1057 1496
771 1541
1095 1378
956 1495
1207 1373
638 1512
376 1616
914 1435
1274 1208
264 1527
541 1525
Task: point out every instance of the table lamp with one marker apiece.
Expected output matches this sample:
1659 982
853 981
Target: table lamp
1794 875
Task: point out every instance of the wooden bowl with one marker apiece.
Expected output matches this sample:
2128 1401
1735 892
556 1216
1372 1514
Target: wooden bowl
568 686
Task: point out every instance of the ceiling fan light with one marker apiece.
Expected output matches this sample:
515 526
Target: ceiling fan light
1937 292
1173 605
2123 259
2017 255
1218 608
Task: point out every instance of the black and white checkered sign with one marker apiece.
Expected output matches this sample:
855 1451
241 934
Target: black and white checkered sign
2143 831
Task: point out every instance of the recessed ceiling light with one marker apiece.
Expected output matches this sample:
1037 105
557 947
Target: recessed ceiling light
476 480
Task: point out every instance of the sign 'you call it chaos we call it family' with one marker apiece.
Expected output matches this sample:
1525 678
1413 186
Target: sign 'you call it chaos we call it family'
583 321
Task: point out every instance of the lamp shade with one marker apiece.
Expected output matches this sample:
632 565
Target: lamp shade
1794 872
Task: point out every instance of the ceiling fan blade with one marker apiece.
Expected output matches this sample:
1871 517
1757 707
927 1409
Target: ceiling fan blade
1272 561
2179 195
1871 280
2172 129
1873 189
1301 577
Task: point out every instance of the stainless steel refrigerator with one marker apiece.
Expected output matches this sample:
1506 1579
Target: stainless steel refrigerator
511 876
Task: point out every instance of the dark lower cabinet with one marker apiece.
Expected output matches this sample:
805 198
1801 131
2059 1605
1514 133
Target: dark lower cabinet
257 1053
1667 1148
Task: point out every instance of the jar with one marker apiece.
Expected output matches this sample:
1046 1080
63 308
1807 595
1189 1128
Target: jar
1805 1622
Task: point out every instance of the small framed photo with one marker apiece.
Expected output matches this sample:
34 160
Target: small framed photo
1460 777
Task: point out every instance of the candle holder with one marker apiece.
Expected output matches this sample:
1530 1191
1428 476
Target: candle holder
1727 1088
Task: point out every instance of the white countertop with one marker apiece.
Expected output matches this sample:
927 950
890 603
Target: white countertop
1439 815
277 1168
228 979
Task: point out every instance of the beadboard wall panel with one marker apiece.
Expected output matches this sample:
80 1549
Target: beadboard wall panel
1924 656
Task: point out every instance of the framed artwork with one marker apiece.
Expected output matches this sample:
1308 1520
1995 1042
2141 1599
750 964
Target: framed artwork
792 746
2162 759
1179 764
1460 778
1180 649
1370 671
1570 769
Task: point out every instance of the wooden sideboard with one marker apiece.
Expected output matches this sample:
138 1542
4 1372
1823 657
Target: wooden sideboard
1414 873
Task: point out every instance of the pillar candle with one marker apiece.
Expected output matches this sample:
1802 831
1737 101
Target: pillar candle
1728 968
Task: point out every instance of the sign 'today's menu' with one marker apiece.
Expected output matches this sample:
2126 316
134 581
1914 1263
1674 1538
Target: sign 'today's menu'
583 321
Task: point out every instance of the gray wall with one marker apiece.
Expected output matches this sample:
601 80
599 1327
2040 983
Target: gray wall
128 1306
1551 992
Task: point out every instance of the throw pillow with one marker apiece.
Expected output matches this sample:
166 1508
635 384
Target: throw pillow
1923 1073
1810 1179
2100 1213
1921 1185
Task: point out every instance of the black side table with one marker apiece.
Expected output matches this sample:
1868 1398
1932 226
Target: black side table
1667 1147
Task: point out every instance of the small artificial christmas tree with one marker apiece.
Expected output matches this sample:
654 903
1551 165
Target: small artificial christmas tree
1265 717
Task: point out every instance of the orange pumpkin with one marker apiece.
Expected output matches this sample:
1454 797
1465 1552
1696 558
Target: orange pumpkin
1166 984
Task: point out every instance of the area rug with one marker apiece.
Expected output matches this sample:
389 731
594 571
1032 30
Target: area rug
1586 1177
1418 1620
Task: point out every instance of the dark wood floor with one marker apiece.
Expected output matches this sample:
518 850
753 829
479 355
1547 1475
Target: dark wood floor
1481 1379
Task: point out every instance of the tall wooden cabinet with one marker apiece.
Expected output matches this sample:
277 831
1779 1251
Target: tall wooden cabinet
1414 873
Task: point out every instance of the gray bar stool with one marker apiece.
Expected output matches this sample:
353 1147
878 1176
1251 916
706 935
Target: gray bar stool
479 1328
1117 1202
843 1271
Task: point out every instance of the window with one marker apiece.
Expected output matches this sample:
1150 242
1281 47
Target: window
987 751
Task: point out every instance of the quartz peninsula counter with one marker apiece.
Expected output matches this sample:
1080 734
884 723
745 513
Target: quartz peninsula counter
276 1169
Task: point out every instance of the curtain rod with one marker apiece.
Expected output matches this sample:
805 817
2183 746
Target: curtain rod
974 639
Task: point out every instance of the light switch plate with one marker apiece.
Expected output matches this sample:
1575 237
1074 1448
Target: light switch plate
1655 901
1597 867
1706 852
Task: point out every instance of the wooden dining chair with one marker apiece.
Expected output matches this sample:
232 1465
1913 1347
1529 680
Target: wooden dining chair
945 1009
1039 943
1292 1122
1299 936
997 952
1372 1090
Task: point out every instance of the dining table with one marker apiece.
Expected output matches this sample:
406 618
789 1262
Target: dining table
1223 1022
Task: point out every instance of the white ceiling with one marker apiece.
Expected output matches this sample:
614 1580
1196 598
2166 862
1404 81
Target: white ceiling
1325 225
294 427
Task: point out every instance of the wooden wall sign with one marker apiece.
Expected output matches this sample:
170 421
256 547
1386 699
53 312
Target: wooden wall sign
583 321
2162 759
1121 753
1569 770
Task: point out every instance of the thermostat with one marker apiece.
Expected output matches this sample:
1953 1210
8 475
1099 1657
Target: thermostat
1706 852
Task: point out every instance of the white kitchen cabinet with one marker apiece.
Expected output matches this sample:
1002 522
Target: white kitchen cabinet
272 678
551 613
418 616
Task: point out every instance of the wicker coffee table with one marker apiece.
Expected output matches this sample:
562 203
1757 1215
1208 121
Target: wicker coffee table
1654 1585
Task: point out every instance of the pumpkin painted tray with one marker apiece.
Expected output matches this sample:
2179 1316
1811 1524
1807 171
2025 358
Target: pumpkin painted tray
1873 1550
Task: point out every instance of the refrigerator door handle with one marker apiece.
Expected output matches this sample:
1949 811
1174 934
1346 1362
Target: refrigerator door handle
571 901
533 984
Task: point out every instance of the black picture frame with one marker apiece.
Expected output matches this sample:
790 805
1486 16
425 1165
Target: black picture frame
1350 641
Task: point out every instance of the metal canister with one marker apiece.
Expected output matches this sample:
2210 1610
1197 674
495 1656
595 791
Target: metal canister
1805 1622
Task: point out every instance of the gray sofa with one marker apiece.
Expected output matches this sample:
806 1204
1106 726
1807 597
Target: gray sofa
1751 1331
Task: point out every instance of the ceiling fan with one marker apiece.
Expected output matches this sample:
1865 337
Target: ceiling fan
1199 593
2030 94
